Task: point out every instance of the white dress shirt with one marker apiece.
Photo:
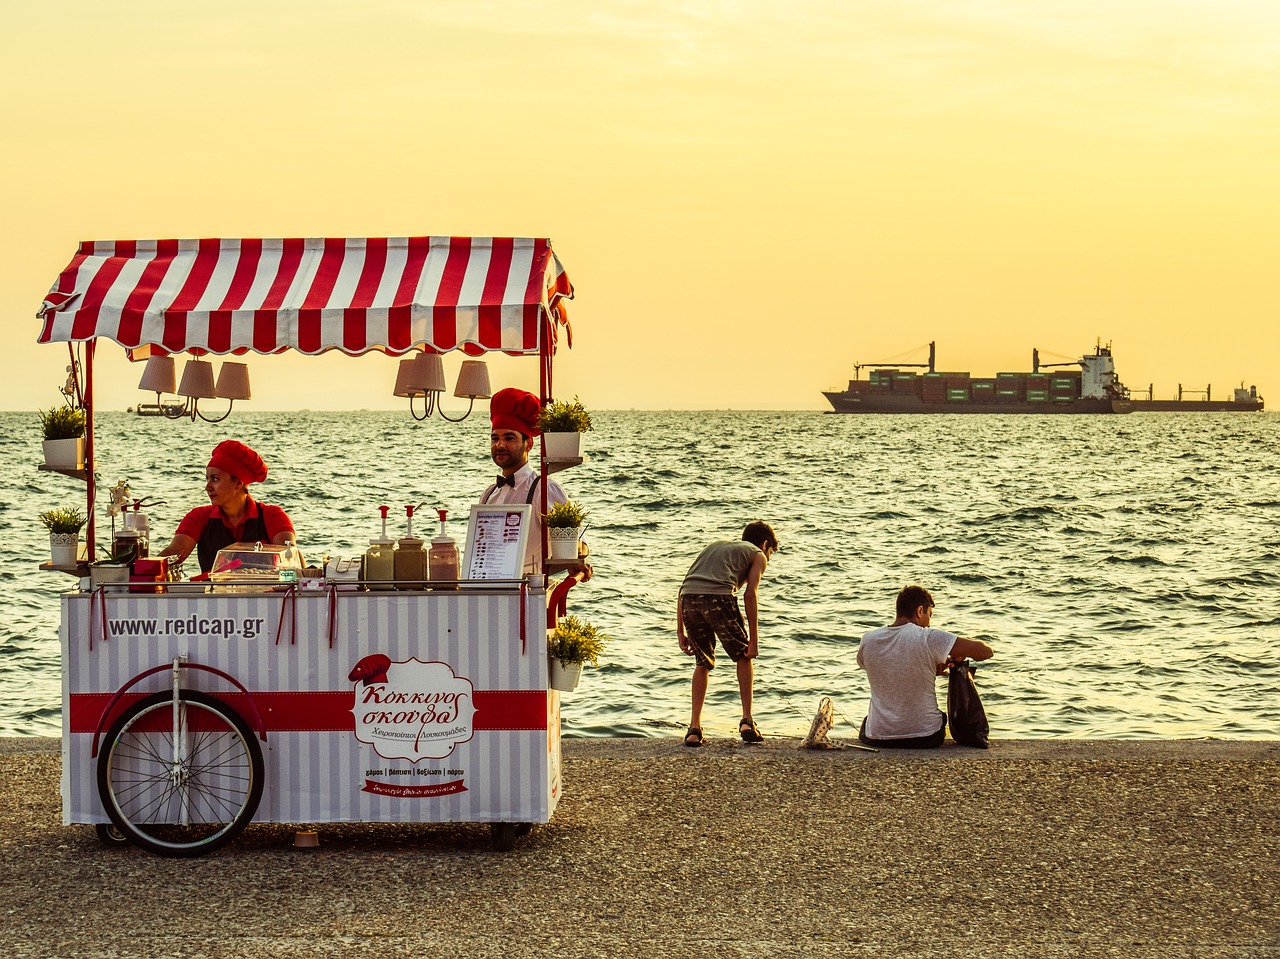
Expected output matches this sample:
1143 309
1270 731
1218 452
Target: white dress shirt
520 493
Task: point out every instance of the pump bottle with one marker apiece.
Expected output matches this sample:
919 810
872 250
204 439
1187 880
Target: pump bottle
443 558
411 557
379 558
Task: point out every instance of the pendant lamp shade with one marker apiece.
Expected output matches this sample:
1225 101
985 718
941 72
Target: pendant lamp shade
197 380
429 372
405 377
233 382
420 374
473 380
158 376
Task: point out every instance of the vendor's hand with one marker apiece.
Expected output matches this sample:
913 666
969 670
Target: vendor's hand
685 646
753 649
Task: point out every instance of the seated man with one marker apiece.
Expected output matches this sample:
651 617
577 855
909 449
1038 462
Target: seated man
903 661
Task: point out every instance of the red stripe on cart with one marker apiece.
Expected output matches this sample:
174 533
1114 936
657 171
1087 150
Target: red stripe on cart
496 709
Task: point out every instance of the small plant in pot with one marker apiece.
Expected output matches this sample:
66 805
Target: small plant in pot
570 646
564 529
63 428
64 527
562 424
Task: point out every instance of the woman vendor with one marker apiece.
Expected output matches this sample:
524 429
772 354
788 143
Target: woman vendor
232 516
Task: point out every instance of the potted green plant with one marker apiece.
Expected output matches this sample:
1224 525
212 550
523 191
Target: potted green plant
562 423
63 437
564 529
571 645
64 525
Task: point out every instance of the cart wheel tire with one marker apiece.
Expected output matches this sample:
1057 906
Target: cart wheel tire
190 805
110 835
524 828
504 836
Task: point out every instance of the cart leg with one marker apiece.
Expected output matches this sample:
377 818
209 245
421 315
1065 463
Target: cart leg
504 836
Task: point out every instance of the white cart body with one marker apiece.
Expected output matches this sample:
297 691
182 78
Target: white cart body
466 731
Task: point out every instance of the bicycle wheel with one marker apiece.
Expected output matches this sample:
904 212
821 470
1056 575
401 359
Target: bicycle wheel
180 784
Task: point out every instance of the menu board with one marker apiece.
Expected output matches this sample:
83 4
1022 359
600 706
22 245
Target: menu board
496 537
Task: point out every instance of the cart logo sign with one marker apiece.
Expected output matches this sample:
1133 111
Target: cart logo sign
411 710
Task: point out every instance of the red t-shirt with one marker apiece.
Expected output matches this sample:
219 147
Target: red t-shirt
276 520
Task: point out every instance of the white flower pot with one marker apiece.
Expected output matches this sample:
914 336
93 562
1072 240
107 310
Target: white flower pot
562 446
64 549
562 677
64 454
564 542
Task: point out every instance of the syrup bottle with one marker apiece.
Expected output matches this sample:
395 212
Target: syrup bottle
411 557
443 557
379 558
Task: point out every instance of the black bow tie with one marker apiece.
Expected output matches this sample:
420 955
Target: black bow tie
505 481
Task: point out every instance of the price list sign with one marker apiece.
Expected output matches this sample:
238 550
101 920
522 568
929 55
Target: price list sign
496 538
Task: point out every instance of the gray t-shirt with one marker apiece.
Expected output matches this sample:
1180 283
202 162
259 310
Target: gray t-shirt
902 667
720 569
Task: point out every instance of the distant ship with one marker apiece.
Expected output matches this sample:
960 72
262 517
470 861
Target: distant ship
1093 388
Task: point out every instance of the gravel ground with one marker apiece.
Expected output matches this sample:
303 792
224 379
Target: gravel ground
1044 848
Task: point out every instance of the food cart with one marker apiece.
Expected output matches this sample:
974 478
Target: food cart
190 710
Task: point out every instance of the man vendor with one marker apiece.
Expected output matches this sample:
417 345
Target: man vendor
232 516
513 416
903 661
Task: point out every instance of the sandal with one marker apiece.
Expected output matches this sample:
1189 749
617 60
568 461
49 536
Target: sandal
694 736
749 732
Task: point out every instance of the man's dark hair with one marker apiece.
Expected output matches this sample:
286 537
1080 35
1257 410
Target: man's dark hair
912 598
760 534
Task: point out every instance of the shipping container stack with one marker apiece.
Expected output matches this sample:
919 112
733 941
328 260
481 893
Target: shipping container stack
983 389
957 387
1037 388
1011 387
1064 386
882 381
933 389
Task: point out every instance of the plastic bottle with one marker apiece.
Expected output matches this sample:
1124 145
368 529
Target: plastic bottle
411 557
379 558
138 521
443 557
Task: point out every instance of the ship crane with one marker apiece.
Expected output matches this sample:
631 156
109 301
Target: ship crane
1036 364
857 367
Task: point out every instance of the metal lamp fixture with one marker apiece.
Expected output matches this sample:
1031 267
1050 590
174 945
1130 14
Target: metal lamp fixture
197 384
423 375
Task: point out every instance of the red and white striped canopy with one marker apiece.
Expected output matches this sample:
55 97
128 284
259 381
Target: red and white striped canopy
355 295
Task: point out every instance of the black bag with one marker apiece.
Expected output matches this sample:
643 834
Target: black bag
964 709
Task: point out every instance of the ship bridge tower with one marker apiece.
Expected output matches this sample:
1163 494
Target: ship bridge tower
1099 380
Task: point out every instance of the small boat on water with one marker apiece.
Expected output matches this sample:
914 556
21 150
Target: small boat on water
1093 387
171 409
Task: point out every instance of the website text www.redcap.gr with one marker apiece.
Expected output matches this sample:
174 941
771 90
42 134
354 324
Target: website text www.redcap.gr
222 627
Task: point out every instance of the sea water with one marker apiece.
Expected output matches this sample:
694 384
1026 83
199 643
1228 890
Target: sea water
1126 569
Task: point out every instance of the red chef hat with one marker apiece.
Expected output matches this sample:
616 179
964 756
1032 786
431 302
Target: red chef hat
232 456
512 409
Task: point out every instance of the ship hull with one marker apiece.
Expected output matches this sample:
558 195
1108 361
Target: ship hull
1196 406
846 402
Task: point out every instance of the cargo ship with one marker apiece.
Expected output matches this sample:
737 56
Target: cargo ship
1091 387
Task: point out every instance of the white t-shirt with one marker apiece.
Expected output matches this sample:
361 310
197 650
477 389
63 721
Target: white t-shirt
902 667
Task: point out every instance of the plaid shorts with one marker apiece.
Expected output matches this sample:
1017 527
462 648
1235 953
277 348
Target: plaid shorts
711 616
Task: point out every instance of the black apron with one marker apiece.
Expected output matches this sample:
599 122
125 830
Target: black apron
217 536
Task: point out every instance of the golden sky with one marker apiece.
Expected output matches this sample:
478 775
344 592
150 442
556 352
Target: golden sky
749 197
